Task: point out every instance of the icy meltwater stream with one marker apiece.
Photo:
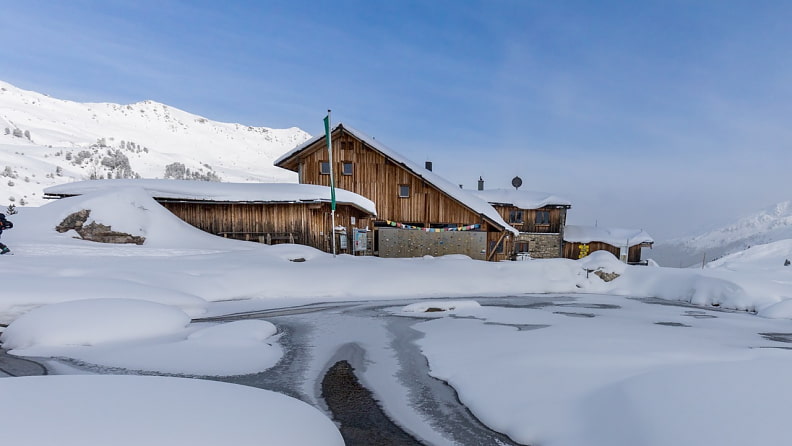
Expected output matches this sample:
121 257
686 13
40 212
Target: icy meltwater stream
367 364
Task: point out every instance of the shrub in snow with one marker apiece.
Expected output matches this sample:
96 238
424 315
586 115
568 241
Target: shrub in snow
93 321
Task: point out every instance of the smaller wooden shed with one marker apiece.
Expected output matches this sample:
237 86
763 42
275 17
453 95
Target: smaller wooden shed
625 244
269 213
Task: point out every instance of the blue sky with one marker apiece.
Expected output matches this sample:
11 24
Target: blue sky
671 116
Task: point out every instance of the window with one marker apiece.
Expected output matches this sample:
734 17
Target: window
404 191
347 168
324 167
542 218
497 249
516 217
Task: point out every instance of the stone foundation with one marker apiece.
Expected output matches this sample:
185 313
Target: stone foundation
542 246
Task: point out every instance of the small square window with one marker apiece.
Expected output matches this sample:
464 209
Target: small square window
542 217
324 168
404 191
347 168
516 217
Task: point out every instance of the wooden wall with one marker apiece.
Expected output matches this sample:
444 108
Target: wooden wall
307 223
378 179
557 219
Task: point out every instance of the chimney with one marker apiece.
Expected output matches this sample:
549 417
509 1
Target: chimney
428 166
481 184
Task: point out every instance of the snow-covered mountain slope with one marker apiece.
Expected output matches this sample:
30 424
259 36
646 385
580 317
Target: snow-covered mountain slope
46 141
769 225
765 257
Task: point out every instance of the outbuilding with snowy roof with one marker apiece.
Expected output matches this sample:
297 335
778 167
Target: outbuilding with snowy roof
269 213
626 244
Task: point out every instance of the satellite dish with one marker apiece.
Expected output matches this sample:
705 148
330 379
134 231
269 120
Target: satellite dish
516 182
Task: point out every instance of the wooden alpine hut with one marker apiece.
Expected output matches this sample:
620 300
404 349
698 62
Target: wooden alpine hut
418 212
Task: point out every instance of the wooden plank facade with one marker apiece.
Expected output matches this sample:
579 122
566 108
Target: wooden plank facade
399 193
545 220
273 223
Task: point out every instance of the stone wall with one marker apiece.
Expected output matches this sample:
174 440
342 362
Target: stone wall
395 242
542 246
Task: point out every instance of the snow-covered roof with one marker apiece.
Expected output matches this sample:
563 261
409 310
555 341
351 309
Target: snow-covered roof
216 191
523 199
465 197
611 236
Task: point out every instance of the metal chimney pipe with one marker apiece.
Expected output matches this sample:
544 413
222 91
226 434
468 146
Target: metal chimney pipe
481 184
428 166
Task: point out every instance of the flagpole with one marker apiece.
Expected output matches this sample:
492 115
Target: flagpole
332 181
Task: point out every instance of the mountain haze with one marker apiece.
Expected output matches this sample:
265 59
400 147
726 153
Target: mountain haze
46 141
766 226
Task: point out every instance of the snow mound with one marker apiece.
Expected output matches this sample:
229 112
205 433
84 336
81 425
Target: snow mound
602 261
93 322
235 333
137 410
674 405
125 209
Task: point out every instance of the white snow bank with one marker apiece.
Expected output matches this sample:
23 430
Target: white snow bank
440 306
72 282
725 403
235 333
85 410
234 348
93 322
602 261
140 335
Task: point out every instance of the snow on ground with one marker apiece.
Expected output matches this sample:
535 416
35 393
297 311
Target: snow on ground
140 335
605 370
136 410
538 385
93 321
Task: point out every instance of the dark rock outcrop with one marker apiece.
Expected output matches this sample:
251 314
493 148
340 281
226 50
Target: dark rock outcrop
95 232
